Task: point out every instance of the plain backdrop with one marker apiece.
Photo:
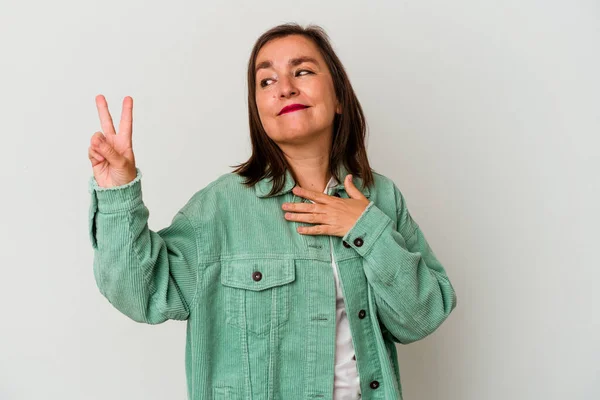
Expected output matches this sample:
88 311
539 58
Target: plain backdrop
484 113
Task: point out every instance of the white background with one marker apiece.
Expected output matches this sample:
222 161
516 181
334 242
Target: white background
484 113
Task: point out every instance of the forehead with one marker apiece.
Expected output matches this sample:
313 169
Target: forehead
280 50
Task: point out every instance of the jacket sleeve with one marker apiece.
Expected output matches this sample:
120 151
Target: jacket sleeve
412 291
148 276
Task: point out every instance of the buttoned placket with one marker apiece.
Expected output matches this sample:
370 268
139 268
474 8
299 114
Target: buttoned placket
344 294
314 244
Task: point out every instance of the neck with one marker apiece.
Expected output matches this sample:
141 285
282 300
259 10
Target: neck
309 161
311 173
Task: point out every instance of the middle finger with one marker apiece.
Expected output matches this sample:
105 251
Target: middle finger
303 207
311 218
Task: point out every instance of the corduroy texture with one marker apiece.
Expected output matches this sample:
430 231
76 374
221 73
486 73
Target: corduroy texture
270 335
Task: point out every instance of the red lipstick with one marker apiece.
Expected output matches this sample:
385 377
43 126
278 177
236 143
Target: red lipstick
291 108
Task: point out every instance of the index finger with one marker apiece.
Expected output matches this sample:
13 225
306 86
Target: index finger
105 119
312 195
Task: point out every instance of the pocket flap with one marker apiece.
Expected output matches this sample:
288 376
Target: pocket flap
273 272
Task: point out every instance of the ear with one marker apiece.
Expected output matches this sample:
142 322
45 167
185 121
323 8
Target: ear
338 109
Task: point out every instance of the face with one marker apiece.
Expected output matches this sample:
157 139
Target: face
290 71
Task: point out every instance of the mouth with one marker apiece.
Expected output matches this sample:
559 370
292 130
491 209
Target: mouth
292 108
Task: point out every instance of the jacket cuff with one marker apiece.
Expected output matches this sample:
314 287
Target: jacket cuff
117 198
367 229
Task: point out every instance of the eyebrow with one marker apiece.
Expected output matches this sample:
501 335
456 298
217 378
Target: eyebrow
293 62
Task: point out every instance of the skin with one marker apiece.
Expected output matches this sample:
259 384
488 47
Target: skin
305 136
111 154
334 216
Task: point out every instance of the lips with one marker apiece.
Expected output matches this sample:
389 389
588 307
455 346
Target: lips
292 107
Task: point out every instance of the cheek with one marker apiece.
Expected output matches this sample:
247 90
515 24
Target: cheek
264 107
323 92
261 102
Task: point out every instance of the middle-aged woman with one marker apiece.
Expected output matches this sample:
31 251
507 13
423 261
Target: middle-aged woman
298 271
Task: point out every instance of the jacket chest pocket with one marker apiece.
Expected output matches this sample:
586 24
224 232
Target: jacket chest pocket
257 293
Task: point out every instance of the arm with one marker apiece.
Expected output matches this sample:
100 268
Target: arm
411 289
148 276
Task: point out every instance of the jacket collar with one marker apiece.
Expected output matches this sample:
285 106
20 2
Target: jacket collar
263 186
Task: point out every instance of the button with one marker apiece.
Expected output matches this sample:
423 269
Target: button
358 242
361 314
374 384
346 244
337 194
257 276
354 357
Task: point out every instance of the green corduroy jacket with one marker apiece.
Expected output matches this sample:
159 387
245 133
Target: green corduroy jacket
259 298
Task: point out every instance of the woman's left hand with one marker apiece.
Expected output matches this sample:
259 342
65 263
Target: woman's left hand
335 216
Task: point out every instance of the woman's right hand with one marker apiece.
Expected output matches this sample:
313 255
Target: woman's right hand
111 154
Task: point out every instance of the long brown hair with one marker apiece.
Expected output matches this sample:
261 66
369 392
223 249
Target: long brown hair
349 127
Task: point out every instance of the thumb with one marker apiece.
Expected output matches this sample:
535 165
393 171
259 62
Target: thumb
352 191
108 152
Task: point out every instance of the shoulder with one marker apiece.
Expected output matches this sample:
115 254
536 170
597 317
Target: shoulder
385 188
223 188
389 198
396 206
381 180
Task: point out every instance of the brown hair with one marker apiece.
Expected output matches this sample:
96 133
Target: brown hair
349 127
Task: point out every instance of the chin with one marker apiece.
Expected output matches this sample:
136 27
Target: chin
301 137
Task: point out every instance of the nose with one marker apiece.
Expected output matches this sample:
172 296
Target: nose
287 88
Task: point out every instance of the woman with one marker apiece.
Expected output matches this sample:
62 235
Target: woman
298 271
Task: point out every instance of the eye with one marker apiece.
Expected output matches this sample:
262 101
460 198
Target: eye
263 82
303 70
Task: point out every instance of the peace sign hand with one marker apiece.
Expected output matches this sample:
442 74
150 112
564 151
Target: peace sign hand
111 154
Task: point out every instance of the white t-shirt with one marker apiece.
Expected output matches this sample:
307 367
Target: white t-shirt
346 380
